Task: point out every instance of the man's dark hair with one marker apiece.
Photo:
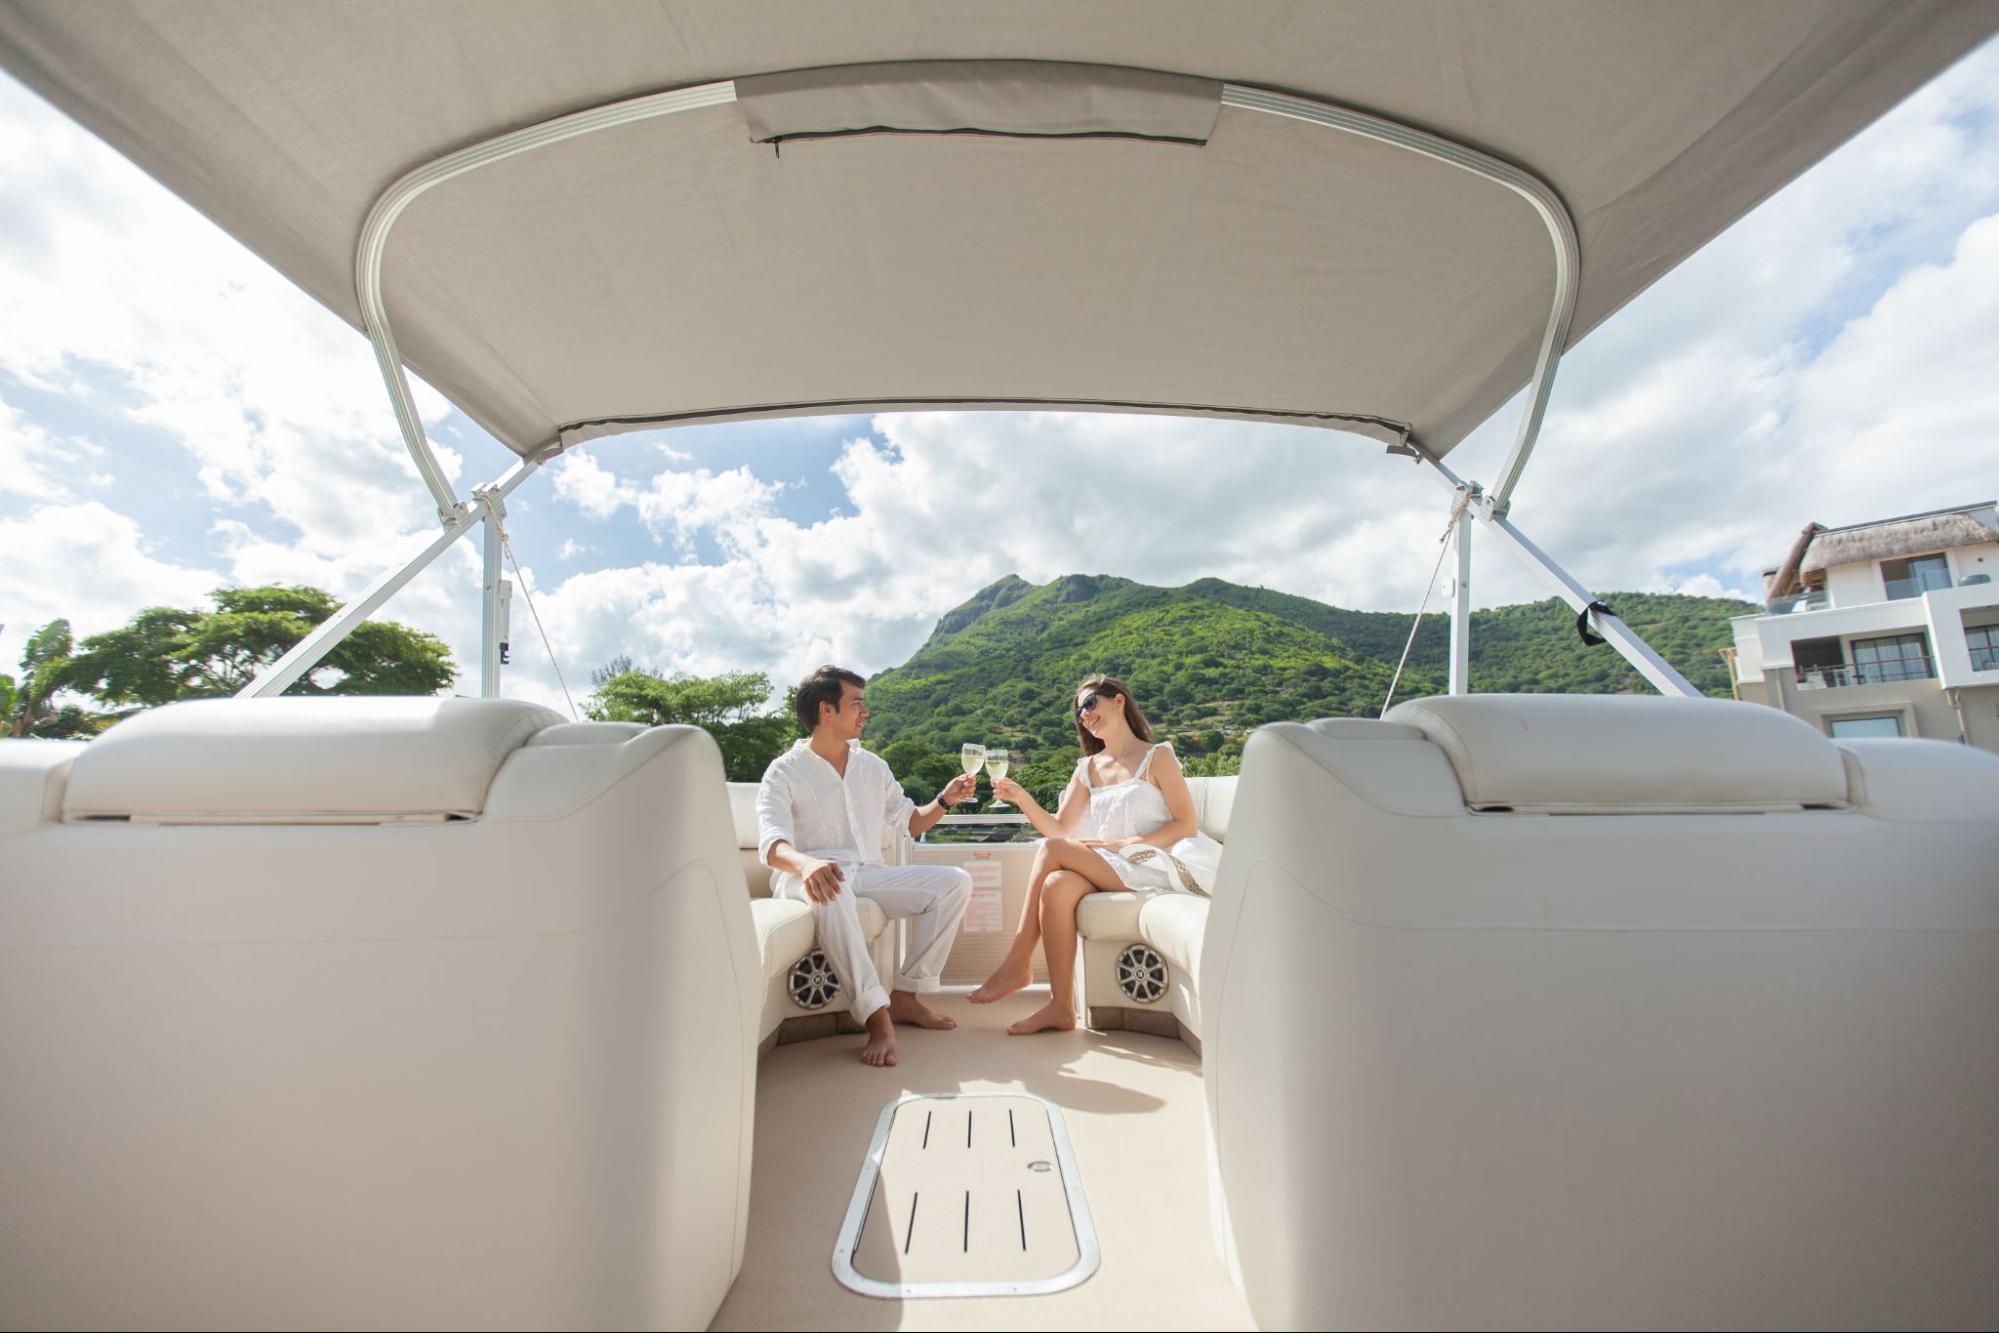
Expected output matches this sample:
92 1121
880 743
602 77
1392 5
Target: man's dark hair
822 687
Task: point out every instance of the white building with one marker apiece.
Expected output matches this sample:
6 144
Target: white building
1888 628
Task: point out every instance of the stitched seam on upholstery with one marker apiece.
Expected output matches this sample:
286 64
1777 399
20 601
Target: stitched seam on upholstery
682 734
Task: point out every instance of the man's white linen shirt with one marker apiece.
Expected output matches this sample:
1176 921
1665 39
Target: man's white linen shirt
802 801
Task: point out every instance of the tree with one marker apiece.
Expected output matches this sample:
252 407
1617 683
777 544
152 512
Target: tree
29 705
164 654
728 707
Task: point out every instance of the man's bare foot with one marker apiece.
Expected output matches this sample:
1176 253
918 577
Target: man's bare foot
880 1049
904 1007
1050 1017
1005 980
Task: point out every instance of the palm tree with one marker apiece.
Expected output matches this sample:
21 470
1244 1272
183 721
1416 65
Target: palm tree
28 705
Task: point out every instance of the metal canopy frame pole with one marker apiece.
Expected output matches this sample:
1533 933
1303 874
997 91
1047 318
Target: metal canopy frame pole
1663 676
1554 214
368 254
1531 189
491 632
304 656
1461 604
458 518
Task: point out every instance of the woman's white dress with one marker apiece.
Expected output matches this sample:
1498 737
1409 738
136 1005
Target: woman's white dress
1132 809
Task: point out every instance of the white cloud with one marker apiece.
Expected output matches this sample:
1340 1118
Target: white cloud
677 503
115 292
36 465
939 504
89 564
584 482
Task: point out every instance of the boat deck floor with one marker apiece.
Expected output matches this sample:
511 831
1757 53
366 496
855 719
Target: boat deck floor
1134 1109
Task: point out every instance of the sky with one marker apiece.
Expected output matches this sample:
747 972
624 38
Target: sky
177 417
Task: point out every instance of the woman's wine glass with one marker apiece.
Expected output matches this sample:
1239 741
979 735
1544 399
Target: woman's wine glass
996 761
970 757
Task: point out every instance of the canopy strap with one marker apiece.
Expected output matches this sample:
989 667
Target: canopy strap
546 646
1443 549
1589 636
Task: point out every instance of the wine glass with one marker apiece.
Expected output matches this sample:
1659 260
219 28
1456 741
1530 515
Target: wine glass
996 761
970 757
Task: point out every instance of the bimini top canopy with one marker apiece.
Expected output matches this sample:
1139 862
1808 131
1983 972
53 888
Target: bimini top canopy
1140 206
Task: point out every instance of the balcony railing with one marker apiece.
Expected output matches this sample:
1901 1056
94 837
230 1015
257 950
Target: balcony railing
993 827
1870 673
1915 586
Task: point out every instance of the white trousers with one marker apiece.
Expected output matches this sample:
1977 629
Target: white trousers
935 896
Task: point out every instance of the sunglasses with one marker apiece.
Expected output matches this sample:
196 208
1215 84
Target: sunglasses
1089 702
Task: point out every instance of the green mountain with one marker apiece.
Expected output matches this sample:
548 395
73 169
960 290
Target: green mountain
1211 660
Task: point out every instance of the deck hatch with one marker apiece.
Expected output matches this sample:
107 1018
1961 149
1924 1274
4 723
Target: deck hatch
967 1194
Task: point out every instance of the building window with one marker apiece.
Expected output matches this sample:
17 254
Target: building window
1984 644
1857 728
1820 663
1915 576
1894 657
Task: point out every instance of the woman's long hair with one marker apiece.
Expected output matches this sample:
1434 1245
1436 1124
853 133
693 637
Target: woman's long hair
1133 717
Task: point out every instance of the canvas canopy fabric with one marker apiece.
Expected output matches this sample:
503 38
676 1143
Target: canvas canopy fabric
1111 238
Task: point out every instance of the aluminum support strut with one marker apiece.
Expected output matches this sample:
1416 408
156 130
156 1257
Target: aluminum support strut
368 256
1656 669
305 655
1461 605
495 595
1531 189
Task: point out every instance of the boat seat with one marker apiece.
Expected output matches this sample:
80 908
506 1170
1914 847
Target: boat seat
787 938
372 1012
1167 922
1603 1011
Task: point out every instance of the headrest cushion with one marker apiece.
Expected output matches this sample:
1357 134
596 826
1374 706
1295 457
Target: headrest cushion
308 760
1575 753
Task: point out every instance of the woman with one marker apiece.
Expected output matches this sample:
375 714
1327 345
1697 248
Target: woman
1125 821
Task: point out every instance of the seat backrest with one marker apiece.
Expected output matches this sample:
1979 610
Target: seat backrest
368 970
743 813
1213 799
1607 989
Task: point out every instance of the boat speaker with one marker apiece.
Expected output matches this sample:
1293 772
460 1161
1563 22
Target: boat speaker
813 984
1141 973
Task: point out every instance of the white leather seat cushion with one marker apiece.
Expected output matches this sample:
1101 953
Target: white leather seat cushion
1924 782
743 809
785 932
32 776
301 760
1697 1068
1628 754
1213 799
1174 924
755 873
588 733
1109 915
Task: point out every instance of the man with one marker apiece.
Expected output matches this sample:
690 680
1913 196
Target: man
821 812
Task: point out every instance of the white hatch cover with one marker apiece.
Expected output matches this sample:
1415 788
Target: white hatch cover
967 1195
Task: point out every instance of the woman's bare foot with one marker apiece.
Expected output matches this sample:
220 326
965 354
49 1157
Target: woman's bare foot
904 1007
1050 1017
1005 980
880 1049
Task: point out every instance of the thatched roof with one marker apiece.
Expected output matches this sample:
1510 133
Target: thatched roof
1916 535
